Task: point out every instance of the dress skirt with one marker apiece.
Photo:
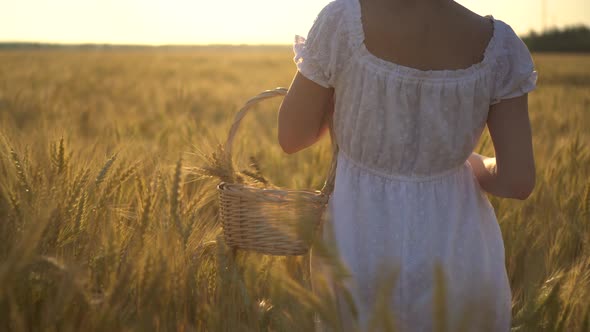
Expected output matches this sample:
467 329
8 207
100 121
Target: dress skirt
436 236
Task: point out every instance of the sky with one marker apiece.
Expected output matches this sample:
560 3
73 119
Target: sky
158 22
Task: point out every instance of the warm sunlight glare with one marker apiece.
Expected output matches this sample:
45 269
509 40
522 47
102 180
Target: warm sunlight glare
222 21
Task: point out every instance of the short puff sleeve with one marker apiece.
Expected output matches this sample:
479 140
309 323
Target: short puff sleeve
515 71
319 56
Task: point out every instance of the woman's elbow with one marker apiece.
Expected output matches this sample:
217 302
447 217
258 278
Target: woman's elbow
294 141
523 188
287 144
288 149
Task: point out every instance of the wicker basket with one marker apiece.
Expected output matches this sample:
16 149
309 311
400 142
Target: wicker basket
273 221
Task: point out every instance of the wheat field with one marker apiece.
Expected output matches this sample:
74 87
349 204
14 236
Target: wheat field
106 224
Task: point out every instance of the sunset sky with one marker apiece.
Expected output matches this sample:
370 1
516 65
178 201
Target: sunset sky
221 21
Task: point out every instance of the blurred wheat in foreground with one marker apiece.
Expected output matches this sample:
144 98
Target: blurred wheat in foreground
106 224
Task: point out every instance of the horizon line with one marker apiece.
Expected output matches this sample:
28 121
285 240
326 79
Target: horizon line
156 45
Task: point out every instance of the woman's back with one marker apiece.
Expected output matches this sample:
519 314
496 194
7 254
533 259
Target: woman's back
421 35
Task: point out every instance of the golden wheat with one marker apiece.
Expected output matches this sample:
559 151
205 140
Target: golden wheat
134 243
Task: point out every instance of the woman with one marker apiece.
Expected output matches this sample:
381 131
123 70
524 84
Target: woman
410 85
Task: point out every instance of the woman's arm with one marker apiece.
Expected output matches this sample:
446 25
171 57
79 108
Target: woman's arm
328 113
485 170
304 114
511 173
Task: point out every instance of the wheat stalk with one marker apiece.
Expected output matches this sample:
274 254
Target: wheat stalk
58 156
104 170
20 173
175 196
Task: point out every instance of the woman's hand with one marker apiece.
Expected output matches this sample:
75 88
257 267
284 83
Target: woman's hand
483 167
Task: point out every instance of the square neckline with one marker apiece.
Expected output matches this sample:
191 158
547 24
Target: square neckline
412 71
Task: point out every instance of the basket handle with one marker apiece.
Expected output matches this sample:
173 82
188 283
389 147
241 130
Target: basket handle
328 187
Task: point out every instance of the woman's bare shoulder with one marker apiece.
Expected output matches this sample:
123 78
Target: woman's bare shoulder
475 22
475 29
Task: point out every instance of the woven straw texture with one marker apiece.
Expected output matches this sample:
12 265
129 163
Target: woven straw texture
275 221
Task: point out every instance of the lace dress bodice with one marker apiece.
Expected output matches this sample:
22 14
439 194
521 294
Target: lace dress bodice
404 121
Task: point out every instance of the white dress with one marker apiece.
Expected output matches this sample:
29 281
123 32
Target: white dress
404 192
